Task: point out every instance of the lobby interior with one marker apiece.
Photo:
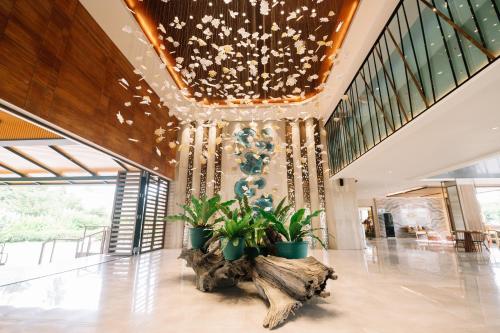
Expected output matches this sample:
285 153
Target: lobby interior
379 118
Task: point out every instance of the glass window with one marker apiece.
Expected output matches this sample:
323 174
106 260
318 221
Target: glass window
422 55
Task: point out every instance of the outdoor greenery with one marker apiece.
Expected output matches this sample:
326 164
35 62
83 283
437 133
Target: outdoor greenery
490 206
37 213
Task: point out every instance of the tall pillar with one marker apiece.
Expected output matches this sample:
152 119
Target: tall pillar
313 176
212 136
345 226
174 232
328 192
297 172
290 178
471 210
198 142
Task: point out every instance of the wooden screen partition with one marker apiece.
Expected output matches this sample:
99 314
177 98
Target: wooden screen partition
57 64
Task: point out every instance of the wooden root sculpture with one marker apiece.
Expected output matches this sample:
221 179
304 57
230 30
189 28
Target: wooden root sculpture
285 284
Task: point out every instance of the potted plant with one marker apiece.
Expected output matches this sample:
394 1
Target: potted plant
294 232
233 234
256 243
199 215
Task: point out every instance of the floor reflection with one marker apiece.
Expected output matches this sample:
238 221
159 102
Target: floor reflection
75 290
391 284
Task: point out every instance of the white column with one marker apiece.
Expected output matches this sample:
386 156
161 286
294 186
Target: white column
198 142
174 231
230 169
212 134
297 170
471 210
345 226
330 218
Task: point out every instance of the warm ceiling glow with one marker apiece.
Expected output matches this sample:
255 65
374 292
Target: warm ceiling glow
342 19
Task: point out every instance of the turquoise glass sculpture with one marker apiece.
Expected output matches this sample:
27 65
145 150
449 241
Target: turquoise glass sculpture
255 153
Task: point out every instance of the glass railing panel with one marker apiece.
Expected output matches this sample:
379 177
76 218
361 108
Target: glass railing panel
347 137
442 73
375 113
460 13
363 116
405 64
486 12
352 122
394 99
455 47
367 111
413 41
426 50
384 116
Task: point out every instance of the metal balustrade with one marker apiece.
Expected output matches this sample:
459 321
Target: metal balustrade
83 245
427 49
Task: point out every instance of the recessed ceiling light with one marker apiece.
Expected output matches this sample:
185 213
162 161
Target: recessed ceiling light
494 128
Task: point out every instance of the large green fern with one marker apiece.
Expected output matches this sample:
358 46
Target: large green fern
200 211
293 228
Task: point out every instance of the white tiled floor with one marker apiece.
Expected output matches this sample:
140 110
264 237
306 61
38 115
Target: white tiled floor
391 287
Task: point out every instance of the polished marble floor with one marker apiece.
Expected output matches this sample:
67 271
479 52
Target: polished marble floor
393 286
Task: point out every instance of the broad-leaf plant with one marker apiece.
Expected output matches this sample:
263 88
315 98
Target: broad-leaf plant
200 211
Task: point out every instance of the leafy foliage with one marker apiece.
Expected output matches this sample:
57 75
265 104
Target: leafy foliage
236 227
256 236
38 213
293 228
199 212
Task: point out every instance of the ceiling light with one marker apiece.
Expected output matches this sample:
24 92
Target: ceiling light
339 26
494 128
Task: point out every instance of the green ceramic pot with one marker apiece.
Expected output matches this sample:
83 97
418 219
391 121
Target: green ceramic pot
292 250
231 251
199 236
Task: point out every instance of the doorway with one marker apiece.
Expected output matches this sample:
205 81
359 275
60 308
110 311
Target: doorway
65 205
366 219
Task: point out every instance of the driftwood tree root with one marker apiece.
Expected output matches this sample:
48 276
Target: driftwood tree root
285 284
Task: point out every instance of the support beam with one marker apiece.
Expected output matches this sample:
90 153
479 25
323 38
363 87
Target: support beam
31 160
121 164
6 167
36 142
70 179
72 159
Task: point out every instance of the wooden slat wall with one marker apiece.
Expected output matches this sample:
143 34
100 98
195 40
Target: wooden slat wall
58 64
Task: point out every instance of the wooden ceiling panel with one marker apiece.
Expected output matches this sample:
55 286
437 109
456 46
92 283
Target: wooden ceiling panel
246 51
14 128
60 67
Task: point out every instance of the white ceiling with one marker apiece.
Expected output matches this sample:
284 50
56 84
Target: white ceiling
459 130
371 16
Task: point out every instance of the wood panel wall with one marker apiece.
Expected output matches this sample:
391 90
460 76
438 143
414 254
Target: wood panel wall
58 64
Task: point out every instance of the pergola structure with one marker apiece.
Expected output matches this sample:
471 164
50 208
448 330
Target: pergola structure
31 155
